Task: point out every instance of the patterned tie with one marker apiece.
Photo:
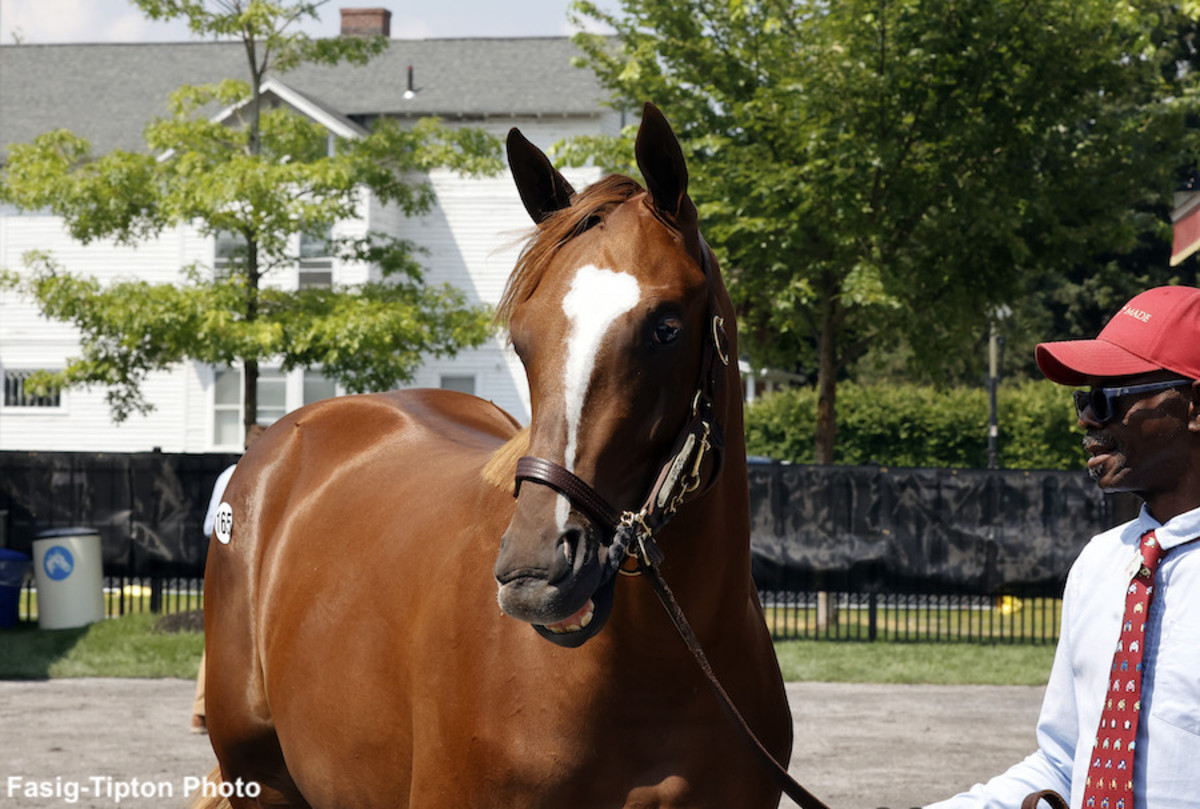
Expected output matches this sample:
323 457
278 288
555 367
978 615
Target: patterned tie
1110 776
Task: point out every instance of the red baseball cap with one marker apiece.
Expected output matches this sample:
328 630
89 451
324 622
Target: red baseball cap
1158 329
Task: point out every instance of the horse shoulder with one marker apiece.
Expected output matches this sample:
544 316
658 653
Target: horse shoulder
361 469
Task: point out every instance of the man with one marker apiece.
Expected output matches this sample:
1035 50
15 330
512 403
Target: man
1120 724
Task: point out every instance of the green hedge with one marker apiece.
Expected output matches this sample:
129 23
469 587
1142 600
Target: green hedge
912 425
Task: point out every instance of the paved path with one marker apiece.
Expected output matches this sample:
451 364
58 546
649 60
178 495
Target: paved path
900 746
857 746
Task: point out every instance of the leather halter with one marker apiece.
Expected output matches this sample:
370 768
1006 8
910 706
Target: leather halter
680 474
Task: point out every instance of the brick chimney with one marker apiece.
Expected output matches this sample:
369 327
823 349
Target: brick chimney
366 22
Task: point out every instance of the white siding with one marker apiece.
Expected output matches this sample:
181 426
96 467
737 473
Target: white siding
472 236
28 341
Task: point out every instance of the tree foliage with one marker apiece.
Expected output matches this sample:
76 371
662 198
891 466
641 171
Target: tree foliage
265 179
878 171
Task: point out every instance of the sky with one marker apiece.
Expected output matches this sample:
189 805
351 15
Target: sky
44 22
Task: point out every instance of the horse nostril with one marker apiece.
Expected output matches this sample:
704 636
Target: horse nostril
565 553
550 557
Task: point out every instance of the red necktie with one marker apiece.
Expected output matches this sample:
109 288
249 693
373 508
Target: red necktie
1110 776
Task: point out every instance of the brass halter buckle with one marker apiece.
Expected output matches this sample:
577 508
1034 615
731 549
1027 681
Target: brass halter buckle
692 481
641 551
720 339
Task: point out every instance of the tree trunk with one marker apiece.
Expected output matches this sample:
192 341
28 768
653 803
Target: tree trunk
827 381
250 377
827 612
249 396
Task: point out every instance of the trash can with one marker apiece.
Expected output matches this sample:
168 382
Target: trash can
68 568
13 567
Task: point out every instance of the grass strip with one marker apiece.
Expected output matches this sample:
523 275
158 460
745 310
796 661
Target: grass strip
916 663
135 646
129 646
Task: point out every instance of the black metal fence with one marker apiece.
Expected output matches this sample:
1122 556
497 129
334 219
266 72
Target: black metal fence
803 615
874 553
911 617
839 553
128 595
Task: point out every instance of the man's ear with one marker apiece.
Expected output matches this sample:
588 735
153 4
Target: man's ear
1194 407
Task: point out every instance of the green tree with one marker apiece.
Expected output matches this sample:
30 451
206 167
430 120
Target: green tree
261 182
884 172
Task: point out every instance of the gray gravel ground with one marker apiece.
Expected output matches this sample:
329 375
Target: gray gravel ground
857 746
899 746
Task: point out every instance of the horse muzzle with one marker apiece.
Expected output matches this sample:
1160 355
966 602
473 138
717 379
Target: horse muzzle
554 580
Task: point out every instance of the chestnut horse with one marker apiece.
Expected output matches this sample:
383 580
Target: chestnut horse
356 653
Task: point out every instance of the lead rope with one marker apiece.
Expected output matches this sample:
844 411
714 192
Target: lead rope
1051 797
778 772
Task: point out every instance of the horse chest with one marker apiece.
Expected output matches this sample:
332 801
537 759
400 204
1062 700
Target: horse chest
555 738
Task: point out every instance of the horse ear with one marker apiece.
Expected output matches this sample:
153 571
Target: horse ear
543 190
661 161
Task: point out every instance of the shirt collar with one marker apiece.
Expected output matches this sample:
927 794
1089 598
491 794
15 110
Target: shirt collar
1179 529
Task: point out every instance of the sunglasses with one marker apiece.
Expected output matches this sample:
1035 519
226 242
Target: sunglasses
1103 401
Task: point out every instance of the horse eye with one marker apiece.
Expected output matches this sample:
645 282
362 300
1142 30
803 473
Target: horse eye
666 331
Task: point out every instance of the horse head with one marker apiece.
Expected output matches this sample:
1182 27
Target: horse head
610 308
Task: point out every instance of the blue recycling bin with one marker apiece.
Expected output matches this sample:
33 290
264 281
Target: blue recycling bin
13 566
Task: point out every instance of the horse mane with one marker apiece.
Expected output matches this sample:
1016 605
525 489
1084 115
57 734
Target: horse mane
587 207
501 469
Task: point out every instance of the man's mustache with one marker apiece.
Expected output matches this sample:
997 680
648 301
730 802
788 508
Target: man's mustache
1098 442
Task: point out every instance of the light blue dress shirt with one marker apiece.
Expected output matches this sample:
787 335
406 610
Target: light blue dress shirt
1167 765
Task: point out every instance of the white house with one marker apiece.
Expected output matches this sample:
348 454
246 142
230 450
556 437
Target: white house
107 93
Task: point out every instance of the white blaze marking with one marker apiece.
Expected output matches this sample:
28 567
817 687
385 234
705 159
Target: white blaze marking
596 299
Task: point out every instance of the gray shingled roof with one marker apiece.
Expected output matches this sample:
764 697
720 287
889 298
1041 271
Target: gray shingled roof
107 93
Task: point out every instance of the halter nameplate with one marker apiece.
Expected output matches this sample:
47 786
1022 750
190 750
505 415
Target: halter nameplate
676 470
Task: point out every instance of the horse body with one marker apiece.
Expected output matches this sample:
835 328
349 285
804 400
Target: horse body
357 655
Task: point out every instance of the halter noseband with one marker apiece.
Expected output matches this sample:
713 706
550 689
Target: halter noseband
680 475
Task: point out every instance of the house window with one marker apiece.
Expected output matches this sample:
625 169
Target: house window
272 395
316 279
15 394
229 252
278 394
316 259
318 387
227 407
463 383
227 402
